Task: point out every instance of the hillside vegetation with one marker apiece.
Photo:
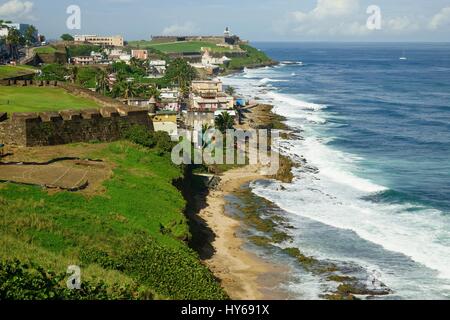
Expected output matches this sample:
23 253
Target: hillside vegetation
130 241
253 58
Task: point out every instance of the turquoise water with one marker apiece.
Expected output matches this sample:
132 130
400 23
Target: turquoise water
377 128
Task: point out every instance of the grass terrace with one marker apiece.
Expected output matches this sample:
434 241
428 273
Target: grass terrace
38 99
7 72
178 47
45 50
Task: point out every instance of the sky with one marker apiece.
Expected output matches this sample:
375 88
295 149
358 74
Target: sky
254 20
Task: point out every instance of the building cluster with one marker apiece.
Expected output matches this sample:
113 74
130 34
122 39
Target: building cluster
173 109
207 100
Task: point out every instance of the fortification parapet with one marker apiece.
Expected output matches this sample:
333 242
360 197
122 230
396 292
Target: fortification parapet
91 114
69 126
50 116
71 115
109 112
25 117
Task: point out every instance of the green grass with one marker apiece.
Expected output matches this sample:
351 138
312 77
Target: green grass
7 72
131 235
253 58
45 50
37 99
178 47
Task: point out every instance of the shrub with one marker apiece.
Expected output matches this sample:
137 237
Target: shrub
140 135
20 281
54 72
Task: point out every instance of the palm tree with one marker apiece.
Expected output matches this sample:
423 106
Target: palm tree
224 121
135 63
74 74
125 89
14 40
102 81
153 92
205 128
181 74
230 91
30 35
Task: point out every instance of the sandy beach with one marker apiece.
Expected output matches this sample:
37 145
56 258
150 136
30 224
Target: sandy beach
239 270
243 274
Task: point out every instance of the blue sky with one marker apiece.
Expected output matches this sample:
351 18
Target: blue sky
256 20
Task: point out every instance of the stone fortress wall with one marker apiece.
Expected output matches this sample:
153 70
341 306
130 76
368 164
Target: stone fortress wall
71 126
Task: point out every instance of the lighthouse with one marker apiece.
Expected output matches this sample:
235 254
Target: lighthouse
227 32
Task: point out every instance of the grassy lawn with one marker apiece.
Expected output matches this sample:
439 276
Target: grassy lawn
15 71
178 47
36 99
45 50
132 234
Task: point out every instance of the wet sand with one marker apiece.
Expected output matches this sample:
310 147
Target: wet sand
243 274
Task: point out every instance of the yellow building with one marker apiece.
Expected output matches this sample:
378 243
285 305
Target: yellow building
115 41
166 121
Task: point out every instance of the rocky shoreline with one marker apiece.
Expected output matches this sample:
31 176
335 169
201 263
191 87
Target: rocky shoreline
240 270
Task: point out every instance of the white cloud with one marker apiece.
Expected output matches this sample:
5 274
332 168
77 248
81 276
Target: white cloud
332 19
402 24
441 19
332 8
329 17
185 29
16 9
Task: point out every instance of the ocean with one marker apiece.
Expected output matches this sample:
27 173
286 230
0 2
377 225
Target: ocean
377 128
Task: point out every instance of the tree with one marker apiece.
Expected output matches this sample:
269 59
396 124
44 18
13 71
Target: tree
74 74
135 63
14 40
125 89
102 82
205 128
67 37
153 92
224 121
230 91
30 35
54 71
181 73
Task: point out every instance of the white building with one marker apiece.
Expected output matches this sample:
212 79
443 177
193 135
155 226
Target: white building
158 66
22 27
170 93
209 60
170 99
125 58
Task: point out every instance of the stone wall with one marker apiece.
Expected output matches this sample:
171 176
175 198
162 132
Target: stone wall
30 82
56 128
